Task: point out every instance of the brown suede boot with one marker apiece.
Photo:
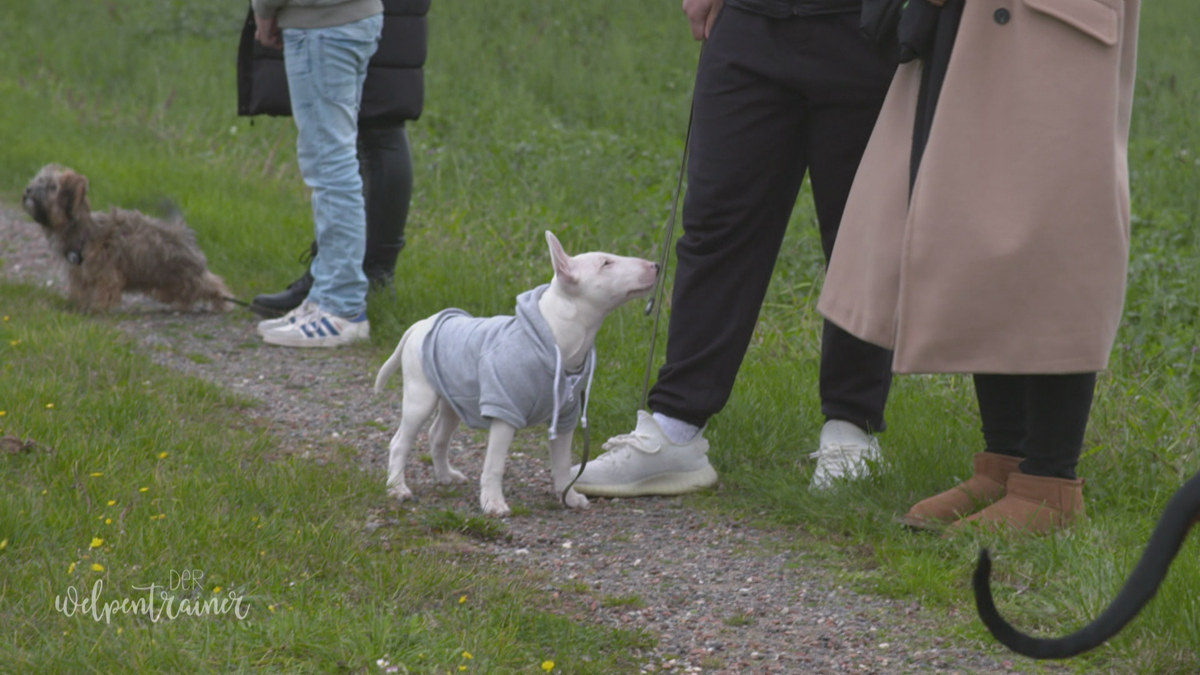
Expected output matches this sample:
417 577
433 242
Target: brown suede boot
986 486
1034 504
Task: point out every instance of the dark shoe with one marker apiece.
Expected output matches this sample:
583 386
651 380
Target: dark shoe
379 264
382 283
277 304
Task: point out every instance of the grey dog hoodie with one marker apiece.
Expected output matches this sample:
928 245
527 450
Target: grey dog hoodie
505 367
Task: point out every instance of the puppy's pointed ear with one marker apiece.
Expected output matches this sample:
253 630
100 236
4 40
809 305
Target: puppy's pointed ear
564 265
72 193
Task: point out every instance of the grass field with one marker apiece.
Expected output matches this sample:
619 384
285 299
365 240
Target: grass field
540 115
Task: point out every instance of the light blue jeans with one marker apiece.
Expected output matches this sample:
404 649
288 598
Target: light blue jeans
326 68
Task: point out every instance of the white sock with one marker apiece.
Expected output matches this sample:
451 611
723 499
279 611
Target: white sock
678 431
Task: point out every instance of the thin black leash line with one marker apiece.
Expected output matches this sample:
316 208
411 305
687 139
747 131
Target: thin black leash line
235 301
655 303
656 300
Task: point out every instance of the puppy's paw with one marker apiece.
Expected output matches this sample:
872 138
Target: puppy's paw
400 492
494 505
449 475
575 500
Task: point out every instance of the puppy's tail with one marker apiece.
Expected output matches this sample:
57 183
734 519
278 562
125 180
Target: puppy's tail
392 364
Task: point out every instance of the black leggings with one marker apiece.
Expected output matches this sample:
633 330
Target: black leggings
385 162
1041 418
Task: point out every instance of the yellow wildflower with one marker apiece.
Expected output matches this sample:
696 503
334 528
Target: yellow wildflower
162 455
97 542
547 666
216 590
143 489
462 599
108 521
3 544
97 567
97 474
112 502
467 655
71 568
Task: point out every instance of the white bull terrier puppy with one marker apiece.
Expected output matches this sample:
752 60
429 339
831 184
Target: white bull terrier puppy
505 373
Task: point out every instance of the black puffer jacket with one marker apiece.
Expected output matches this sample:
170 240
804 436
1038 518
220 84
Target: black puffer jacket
395 88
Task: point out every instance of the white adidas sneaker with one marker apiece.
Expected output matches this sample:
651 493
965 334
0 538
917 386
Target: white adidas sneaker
318 328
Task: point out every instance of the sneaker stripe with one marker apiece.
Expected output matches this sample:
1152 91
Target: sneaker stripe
304 329
332 330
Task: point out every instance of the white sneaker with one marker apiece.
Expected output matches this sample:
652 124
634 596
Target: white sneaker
646 462
298 314
846 453
319 329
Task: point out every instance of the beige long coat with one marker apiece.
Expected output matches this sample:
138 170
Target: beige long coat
1012 255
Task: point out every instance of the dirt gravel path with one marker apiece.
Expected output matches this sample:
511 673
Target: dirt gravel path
721 596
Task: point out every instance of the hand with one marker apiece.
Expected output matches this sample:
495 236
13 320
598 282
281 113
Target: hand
267 31
701 14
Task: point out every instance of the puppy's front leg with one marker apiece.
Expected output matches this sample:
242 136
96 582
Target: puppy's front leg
491 482
560 470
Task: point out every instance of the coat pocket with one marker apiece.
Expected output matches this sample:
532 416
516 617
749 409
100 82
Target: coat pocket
1097 18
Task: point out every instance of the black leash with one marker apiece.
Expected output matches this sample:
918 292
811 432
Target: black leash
587 442
655 302
235 301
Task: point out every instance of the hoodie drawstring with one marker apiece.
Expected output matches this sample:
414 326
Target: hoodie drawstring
587 392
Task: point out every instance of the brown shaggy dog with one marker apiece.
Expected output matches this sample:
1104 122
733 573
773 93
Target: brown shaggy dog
110 253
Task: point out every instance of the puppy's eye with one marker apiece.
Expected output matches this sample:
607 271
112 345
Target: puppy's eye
605 263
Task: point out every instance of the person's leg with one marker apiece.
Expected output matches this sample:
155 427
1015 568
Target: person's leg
846 90
385 161
746 165
1058 407
326 68
1044 494
1002 412
855 375
745 170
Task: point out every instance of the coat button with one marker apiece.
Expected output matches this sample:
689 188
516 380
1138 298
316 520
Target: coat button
1001 16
